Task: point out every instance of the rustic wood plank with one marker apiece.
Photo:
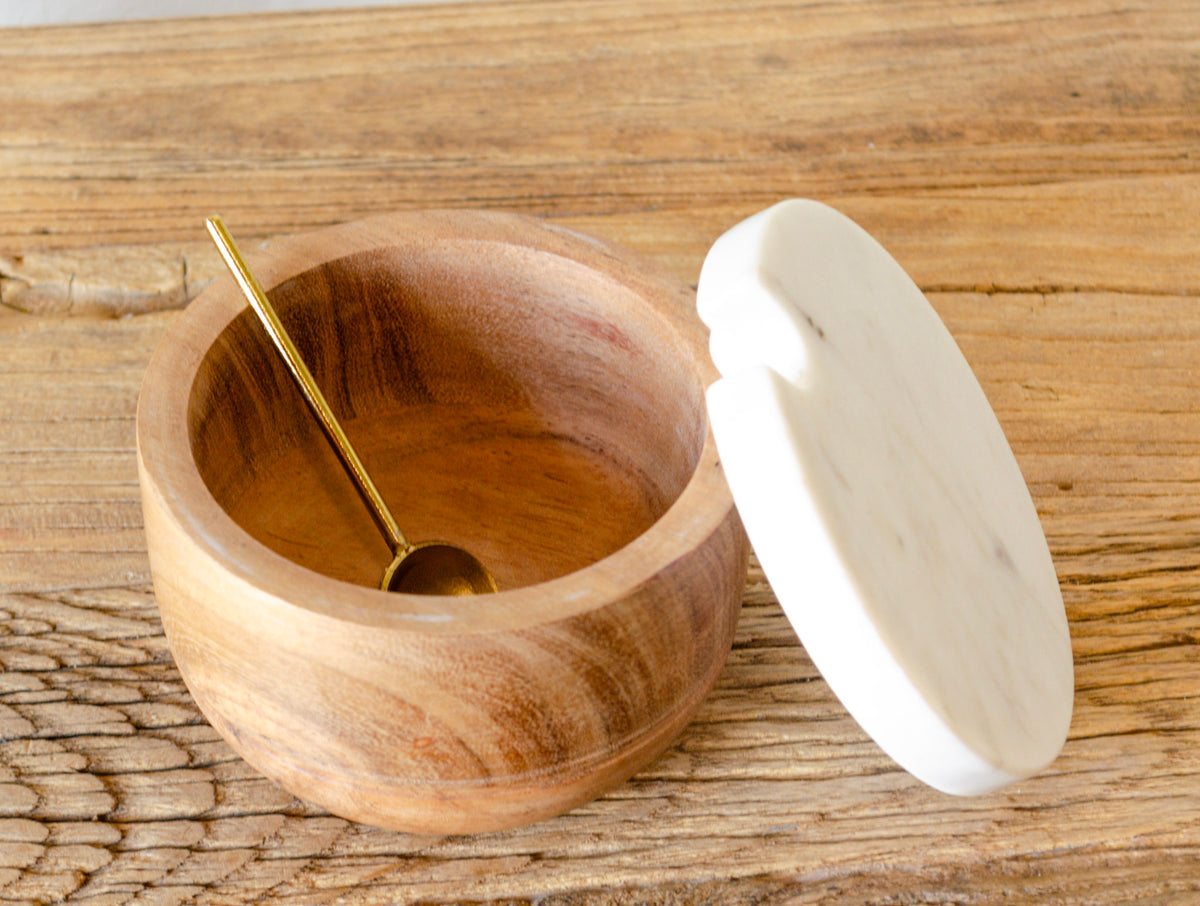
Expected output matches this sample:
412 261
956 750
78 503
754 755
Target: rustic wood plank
1035 165
633 111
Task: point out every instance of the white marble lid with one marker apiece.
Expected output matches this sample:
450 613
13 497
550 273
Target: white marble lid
883 501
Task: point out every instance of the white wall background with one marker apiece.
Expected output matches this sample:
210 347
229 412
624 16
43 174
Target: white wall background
49 12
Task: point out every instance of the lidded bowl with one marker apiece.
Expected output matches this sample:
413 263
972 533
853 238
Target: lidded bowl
530 394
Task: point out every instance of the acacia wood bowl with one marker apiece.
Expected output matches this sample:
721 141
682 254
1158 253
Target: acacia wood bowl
530 394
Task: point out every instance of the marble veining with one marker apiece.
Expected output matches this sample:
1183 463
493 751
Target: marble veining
884 501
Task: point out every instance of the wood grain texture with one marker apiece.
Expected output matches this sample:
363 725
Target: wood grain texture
530 394
1034 165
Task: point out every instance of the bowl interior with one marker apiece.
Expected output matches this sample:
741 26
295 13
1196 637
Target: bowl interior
532 410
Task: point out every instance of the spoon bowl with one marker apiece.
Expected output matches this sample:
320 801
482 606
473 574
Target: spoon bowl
435 568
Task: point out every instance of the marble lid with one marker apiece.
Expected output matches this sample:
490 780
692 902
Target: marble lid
883 501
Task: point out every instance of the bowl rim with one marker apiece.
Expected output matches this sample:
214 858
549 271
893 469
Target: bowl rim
167 467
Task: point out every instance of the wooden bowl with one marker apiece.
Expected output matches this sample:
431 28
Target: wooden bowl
528 393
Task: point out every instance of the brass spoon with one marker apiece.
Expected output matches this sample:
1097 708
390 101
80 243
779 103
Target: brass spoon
432 568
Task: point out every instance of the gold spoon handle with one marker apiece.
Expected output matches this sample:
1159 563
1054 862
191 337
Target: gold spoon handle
304 379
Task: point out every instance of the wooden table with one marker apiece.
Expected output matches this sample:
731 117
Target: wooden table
1035 164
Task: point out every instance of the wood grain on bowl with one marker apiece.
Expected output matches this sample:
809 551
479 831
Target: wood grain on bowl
529 394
